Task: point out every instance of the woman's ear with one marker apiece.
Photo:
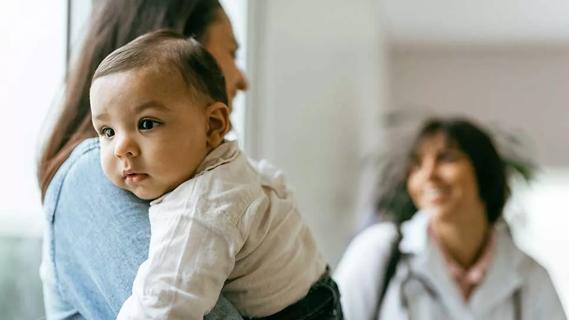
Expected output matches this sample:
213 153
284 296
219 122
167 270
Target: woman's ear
218 123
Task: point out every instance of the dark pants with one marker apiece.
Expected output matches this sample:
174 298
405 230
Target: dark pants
322 302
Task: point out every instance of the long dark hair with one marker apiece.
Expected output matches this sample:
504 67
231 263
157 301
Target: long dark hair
491 169
114 23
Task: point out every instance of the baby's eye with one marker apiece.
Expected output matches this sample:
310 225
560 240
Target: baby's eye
107 132
147 124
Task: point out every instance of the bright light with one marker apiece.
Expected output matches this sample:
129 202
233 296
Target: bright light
32 67
237 12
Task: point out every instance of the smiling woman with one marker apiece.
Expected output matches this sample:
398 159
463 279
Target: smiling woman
442 178
454 258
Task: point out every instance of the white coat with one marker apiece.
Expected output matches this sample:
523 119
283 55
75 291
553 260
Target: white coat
422 288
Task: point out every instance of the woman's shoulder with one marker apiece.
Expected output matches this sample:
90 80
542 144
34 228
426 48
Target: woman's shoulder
370 248
81 183
377 236
81 162
538 290
528 267
535 275
537 285
362 267
83 156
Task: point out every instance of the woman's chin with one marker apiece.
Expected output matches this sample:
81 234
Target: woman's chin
439 212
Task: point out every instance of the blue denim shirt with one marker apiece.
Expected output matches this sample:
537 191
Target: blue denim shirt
96 237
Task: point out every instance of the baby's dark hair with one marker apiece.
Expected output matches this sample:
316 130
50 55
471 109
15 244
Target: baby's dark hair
170 49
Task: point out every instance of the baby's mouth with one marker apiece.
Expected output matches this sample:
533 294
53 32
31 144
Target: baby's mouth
131 176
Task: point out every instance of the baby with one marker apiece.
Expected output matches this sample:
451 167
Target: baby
219 223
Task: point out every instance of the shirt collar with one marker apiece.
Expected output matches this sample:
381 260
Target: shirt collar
468 278
415 238
224 153
502 277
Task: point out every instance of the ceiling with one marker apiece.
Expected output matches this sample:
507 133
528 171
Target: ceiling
422 22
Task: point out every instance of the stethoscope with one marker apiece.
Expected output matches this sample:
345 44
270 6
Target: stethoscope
428 286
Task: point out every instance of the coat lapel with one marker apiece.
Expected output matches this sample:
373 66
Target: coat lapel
504 274
426 263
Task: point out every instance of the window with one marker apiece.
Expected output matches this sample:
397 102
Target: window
32 64
32 73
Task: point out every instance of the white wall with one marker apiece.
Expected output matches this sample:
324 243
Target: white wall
316 85
521 89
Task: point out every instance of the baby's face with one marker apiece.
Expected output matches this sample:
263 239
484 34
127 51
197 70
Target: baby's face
153 135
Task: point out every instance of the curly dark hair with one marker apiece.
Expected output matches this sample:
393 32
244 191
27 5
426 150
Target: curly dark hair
491 169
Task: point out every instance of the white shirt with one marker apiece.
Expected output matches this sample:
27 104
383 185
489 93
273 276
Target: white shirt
234 227
423 281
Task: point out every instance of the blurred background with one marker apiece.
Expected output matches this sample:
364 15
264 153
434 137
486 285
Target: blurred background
324 74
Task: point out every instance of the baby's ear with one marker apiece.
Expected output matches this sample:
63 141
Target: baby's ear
218 123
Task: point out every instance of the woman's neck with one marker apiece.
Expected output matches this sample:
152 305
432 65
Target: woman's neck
463 237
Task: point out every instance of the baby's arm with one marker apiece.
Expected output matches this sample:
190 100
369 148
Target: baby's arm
190 257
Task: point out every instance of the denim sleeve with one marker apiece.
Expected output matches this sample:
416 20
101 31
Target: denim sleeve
100 236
